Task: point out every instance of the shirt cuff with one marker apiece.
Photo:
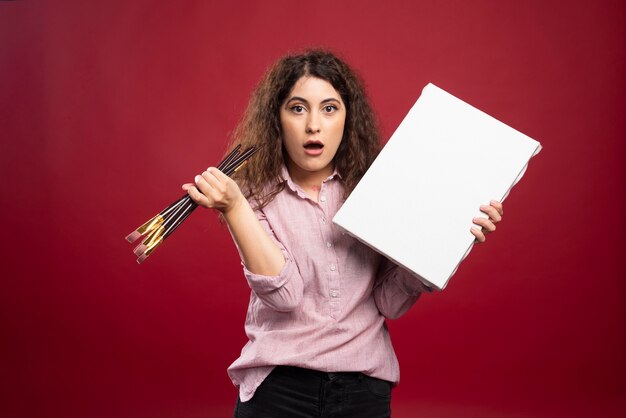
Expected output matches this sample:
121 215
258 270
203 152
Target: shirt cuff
410 284
262 285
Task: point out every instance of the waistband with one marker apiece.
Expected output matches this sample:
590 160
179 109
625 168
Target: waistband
300 371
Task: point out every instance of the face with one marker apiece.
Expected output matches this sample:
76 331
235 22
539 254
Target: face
312 119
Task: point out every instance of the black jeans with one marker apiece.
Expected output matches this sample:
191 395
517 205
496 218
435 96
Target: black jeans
294 392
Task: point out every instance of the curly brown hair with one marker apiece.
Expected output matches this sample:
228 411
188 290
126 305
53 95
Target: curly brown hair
260 125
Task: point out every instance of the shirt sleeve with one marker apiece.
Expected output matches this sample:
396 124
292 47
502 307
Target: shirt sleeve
396 290
282 292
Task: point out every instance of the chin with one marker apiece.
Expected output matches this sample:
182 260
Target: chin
313 167
317 167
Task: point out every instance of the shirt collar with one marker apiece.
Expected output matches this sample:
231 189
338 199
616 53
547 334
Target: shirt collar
294 187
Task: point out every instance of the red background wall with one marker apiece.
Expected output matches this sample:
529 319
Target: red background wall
107 107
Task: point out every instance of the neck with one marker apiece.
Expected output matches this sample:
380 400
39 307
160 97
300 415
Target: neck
309 181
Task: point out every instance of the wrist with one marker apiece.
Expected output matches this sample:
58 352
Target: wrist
234 207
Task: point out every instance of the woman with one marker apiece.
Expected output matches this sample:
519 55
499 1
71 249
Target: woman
318 343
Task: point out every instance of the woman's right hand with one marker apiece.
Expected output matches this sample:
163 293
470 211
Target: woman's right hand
215 190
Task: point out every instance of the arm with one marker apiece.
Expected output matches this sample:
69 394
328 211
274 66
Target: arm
397 290
268 266
282 292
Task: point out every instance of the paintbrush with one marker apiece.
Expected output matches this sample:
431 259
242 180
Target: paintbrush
159 227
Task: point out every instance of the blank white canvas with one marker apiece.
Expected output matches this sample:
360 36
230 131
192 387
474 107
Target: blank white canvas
416 202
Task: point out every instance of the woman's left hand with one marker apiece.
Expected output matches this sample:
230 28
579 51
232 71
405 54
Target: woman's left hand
494 211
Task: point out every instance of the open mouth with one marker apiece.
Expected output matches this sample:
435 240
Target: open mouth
313 145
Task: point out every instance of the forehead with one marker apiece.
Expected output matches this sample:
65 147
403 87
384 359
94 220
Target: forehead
313 88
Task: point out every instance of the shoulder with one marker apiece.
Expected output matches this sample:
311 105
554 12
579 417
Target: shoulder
264 196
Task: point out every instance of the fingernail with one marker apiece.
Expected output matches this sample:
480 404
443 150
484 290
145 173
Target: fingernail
197 179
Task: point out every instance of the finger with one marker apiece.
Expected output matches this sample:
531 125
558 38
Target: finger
486 224
221 180
212 180
197 197
218 174
492 213
187 186
202 185
498 205
480 237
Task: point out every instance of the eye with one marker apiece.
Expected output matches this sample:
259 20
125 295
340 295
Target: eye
297 109
330 108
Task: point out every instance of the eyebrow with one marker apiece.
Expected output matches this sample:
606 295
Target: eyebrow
302 99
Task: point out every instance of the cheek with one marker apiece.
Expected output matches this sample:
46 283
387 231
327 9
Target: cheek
338 131
286 131
290 144
288 138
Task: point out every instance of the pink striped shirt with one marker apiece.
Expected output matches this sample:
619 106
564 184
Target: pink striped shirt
326 309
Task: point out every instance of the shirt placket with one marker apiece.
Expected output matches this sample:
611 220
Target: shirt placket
332 264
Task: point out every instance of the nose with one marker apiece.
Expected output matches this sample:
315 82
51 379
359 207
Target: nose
313 123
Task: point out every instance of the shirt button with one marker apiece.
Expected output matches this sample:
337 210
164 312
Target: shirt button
333 267
323 220
322 198
328 244
334 293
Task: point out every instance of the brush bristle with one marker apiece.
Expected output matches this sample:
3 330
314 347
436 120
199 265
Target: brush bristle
141 258
133 236
140 249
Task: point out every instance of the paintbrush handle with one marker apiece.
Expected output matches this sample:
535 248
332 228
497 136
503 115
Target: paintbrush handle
173 216
189 208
